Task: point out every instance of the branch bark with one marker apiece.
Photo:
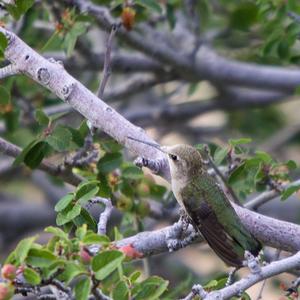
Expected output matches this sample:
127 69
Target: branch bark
272 232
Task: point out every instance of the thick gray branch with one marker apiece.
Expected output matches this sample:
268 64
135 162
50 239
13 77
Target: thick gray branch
52 75
208 65
272 269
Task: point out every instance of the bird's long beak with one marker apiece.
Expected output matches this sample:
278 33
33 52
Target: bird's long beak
157 146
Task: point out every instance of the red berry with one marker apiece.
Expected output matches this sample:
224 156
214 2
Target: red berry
128 17
8 271
85 256
130 251
6 291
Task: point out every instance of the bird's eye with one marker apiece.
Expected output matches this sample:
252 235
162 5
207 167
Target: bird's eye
173 157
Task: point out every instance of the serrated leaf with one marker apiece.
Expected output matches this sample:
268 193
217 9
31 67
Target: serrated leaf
121 291
71 271
31 276
152 288
19 8
292 165
85 218
88 196
134 276
68 214
4 96
236 142
40 258
106 262
57 232
86 190
94 238
109 162
82 289
81 232
220 155
3 45
41 117
64 202
23 248
32 154
265 157
60 139
289 191
74 212
133 173
36 154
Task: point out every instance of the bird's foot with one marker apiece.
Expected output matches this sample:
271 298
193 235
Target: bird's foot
252 262
184 219
179 237
230 279
155 165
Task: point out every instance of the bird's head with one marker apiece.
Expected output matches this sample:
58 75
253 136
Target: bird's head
185 161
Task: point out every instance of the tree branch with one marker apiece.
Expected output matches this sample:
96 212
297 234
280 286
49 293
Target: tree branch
47 166
208 64
275 233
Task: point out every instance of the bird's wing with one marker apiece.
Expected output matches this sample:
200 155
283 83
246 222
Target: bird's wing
214 233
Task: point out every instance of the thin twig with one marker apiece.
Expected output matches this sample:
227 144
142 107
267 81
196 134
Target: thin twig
267 196
107 61
47 166
9 70
222 177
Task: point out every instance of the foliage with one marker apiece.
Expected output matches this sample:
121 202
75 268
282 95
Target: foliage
67 256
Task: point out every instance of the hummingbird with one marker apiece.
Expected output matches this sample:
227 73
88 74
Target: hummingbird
206 205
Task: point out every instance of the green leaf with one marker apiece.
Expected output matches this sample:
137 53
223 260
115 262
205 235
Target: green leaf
85 218
71 271
289 191
241 141
292 165
152 288
23 248
64 202
82 289
71 37
41 117
33 154
89 195
19 8
31 276
133 173
121 291
36 154
220 155
40 258
4 96
157 191
94 238
134 276
57 232
81 232
109 162
3 45
60 139
211 284
244 15
68 214
106 262
171 15
74 212
265 157
150 4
